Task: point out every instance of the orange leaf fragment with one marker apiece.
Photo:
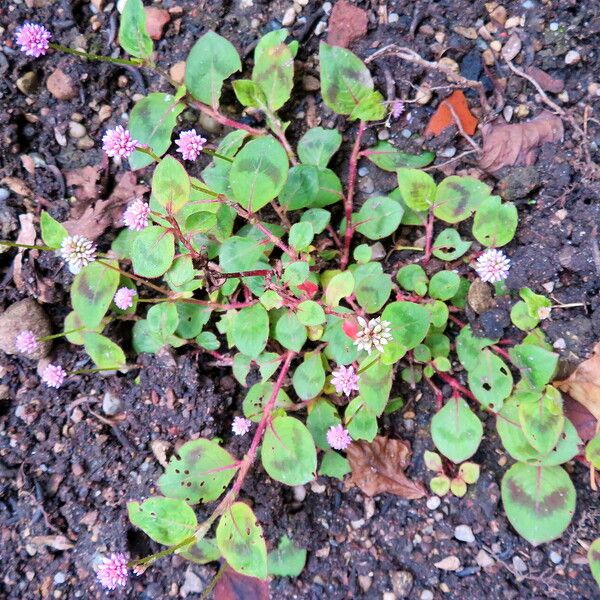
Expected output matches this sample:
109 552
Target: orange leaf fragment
443 117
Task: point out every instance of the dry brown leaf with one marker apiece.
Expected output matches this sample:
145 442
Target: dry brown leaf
518 144
26 236
347 23
583 384
546 81
106 213
379 466
84 181
235 586
58 542
17 186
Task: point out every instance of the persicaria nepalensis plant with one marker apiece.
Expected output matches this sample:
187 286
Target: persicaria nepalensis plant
240 262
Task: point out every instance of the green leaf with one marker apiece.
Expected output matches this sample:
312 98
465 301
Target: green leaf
53 233
417 188
457 198
469 347
165 520
448 245
310 313
241 254
157 330
318 145
73 321
456 430
379 217
133 35
208 340
309 377
495 223
258 173
537 365
171 185
153 251
289 332
274 68
340 348
192 317
361 421
334 465
592 451
539 501
318 217
520 317
534 302
249 93
330 189
490 380
92 292
594 559
249 330
440 485
202 552
322 416
372 286
444 285
197 472
104 352
410 216
409 323
340 286
288 560
301 187
216 174
375 383
301 236
346 83
241 542
211 60
542 420
439 313
151 122
258 397
389 158
413 279
288 452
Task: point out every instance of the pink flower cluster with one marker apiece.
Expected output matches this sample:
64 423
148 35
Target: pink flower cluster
338 437
124 298
241 425
492 266
54 376
118 142
345 380
136 215
34 39
26 342
112 571
190 144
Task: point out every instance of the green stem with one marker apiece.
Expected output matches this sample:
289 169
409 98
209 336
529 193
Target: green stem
166 552
134 62
29 246
415 248
87 371
46 338
217 155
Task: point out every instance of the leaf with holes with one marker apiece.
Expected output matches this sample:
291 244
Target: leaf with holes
539 501
166 520
192 317
241 542
153 252
469 347
92 292
378 217
490 380
309 377
249 330
495 223
389 158
456 430
457 198
151 122
202 552
210 62
318 145
448 245
257 398
537 365
199 472
288 452
133 34
542 420
417 188
258 173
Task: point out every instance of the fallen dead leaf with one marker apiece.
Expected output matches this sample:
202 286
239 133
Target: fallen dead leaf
84 181
26 236
450 563
583 384
443 118
106 213
546 81
583 420
159 449
235 586
156 19
518 144
347 23
17 186
58 542
379 466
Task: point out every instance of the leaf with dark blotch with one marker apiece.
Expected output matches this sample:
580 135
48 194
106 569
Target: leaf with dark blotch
235 586
378 467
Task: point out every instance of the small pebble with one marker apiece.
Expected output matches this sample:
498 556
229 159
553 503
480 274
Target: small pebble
299 493
59 578
327 7
406 133
289 17
363 171
76 130
483 559
463 533
448 152
393 17
433 502
554 26
4 194
468 571
555 557
384 134
572 57
426 595
519 564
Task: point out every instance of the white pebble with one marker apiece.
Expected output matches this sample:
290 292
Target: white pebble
426 595
393 17
463 533
572 57
406 133
363 171
554 26
326 7
289 17
433 502
320 28
555 557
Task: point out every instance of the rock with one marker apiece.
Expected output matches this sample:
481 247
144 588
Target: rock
402 583
61 86
426 595
594 89
111 405
27 83
433 502
156 19
208 124
519 183
76 130
365 582
299 493
366 185
192 584
463 533
484 560
288 17
519 564
8 218
450 563
480 297
467 32
522 111
512 47
346 24
177 72
572 57
22 315
555 557
423 95
310 83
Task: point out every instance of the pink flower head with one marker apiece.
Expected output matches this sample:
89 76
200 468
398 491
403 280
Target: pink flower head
112 572
54 376
338 437
34 39
26 342
241 425
345 380
397 108
124 298
190 144
78 252
118 142
136 215
492 265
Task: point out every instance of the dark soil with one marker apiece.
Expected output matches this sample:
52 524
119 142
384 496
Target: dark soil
67 469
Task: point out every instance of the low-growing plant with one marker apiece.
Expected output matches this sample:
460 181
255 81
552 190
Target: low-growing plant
260 267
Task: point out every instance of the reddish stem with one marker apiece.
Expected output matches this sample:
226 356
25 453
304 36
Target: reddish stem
223 120
428 238
349 198
495 348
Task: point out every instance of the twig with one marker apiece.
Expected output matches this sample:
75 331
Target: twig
460 128
454 159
